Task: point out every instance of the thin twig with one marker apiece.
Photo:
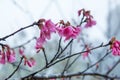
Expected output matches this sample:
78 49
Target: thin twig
81 21
45 56
74 60
32 75
66 66
76 57
15 70
57 50
96 62
64 49
4 38
24 43
108 72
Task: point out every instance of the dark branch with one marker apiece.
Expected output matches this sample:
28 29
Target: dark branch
113 67
4 38
74 75
14 70
45 56
64 49
57 50
96 62
67 63
74 60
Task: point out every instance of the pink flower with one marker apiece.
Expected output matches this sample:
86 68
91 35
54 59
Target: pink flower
21 51
85 13
47 27
85 54
26 62
31 62
69 32
80 11
2 58
7 55
50 25
115 47
90 23
88 18
10 56
39 43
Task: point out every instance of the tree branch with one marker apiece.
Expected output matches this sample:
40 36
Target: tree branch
74 75
108 72
4 38
15 69
45 56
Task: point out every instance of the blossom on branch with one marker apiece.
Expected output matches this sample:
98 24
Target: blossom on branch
2 58
21 51
30 62
11 56
90 22
7 55
68 31
46 27
85 54
88 18
115 46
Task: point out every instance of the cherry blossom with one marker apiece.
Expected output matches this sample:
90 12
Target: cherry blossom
21 51
88 18
11 56
69 32
115 47
7 55
85 13
47 27
30 62
2 58
90 22
85 54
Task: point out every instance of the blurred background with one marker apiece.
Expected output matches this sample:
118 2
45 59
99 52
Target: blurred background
16 14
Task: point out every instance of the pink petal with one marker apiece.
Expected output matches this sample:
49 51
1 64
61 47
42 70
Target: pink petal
11 58
21 51
2 59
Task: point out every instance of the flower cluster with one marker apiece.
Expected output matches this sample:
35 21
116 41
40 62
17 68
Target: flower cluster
68 31
88 18
7 55
47 27
115 46
30 62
